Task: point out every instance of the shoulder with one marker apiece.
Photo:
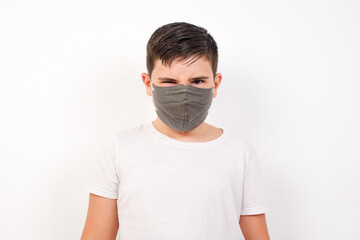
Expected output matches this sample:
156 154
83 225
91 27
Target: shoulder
244 149
240 143
129 136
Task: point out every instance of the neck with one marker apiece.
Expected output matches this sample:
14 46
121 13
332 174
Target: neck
163 128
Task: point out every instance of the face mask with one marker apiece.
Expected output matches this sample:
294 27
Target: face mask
182 107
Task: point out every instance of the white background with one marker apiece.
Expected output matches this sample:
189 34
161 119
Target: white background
70 76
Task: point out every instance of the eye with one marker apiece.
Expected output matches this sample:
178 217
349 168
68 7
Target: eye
198 81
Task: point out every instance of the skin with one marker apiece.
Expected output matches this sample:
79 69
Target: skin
254 227
102 219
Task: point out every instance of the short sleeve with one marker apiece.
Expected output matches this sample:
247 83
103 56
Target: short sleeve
253 201
104 179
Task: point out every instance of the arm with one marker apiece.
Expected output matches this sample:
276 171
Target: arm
254 227
102 219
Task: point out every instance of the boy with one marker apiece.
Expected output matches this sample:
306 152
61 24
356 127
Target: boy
177 177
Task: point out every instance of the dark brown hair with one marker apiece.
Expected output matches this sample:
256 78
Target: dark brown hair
180 40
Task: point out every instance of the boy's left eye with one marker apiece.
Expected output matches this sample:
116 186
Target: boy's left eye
199 80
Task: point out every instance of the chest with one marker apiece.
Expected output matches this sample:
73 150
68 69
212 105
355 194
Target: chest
174 173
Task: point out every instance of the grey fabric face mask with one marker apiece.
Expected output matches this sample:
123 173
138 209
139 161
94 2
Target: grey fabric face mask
182 107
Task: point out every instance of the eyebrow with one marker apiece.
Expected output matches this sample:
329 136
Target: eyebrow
191 79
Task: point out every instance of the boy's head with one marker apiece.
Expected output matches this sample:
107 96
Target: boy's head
180 41
182 53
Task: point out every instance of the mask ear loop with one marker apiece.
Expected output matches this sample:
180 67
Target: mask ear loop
213 86
153 90
152 85
212 91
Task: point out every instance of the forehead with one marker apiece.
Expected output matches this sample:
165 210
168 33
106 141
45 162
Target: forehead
185 67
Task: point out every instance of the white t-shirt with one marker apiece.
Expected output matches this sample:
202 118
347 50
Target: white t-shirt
170 189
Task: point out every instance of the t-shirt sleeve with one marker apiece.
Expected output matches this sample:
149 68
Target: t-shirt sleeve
103 180
253 201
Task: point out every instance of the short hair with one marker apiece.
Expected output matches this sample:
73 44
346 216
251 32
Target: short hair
180 40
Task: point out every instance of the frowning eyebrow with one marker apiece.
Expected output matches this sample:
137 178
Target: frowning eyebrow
191 79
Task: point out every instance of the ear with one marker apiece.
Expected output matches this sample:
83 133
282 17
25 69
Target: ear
217 81
146 80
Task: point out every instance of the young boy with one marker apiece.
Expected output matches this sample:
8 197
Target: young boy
177 177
